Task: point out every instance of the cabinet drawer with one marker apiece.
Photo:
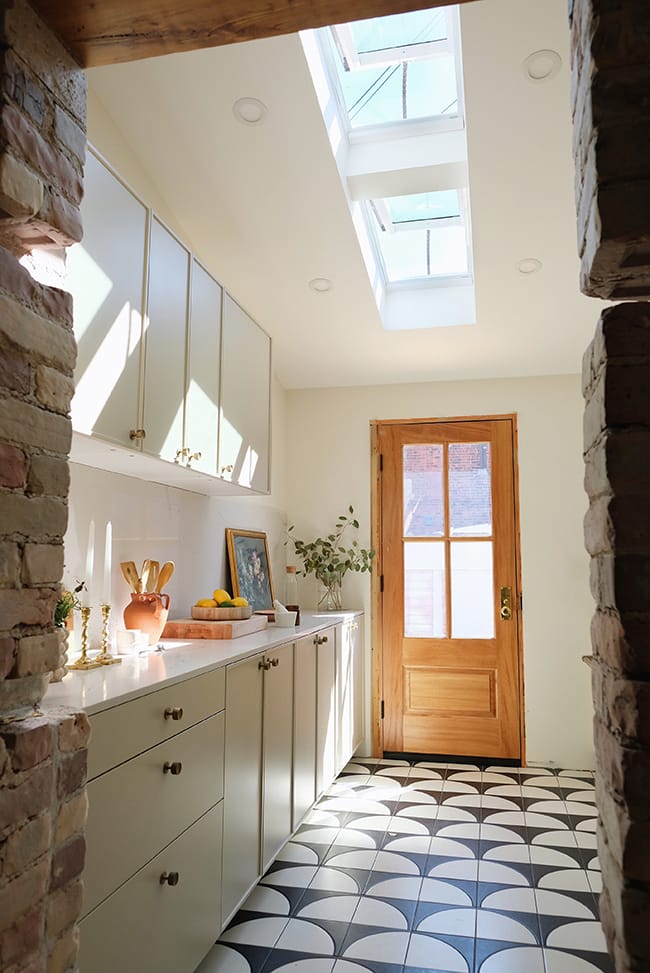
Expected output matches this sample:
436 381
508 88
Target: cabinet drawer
124 731
147 925
138 808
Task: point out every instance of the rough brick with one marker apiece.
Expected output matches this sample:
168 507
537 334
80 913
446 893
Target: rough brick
42 563
7 656
21 190
619 465
61 218
20 695
74 733
63 954
27 606
29 742
72 773
628 707
63 908
22 893
20 940
38 336
27 424
37 653
48 476
9 563
37 517
30 146
618 523
53 389
70 134
625 771
13 466
27 844
71 818
68 862
15 371
52 302
622 642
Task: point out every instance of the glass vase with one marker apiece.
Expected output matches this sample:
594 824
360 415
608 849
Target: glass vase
330 594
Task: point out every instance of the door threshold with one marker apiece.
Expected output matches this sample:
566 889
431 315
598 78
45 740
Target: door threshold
482 762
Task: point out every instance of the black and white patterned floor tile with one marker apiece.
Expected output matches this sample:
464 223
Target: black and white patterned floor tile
430 867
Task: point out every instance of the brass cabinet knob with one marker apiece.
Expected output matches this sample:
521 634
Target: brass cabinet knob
264 664
320 639
169 878
173 712
227 469
275 663
137 434
174 768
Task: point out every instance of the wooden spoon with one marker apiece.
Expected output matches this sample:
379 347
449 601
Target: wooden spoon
166 572
130 575
154 569
146 574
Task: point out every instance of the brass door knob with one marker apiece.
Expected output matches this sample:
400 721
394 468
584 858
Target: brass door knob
169 878
173 713
174 768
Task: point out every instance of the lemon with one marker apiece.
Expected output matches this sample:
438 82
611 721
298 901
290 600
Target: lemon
220 595
206 603
239 602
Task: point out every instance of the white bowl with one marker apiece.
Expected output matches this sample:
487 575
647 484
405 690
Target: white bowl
285 619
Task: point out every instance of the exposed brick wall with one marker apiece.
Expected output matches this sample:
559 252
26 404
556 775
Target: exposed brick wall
611 119
42 817
616 379
42 760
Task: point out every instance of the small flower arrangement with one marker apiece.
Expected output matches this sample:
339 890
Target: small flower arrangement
67 603
329 560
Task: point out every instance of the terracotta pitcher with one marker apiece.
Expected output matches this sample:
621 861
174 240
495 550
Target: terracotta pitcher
148 612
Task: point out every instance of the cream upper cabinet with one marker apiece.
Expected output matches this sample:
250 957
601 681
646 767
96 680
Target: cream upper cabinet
106 277
203 371
165 333
245 400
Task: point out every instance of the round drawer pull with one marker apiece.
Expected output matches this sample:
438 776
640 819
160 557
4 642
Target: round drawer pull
169 878
174 768
320 639
275 663
173 712
264 664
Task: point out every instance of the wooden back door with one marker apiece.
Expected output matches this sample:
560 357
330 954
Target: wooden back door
449 609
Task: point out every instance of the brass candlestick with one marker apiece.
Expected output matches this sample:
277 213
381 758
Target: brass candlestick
83 662
105 658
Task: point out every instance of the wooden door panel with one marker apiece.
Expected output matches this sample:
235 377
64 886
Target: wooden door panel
447 548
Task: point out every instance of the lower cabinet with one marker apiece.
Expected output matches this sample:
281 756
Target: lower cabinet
304 728
163 918
277 752
325 643
349 692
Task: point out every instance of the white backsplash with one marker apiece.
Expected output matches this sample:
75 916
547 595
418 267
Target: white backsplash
163 523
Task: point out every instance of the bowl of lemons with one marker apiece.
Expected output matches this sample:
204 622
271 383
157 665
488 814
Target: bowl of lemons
221 607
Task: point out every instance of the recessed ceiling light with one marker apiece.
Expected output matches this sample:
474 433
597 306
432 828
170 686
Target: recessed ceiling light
320 284
249 111
542 65
529 265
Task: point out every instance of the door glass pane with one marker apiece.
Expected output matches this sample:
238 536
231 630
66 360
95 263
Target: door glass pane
424 590
470 497
424 509
472 590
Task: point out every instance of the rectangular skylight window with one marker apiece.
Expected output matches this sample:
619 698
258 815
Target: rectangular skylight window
423 208
398 67
426 254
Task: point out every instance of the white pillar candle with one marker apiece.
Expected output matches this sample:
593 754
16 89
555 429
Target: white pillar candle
90 562
108 558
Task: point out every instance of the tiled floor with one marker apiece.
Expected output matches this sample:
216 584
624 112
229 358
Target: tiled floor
430 867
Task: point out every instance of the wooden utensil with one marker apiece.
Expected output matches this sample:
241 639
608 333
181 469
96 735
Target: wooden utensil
154 569
130 575
145 577
166 572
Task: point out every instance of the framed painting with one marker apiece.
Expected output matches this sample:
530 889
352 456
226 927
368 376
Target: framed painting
250 568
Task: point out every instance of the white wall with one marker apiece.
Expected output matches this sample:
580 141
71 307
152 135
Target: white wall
329 468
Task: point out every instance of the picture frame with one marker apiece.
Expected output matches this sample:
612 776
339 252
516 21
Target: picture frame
250 567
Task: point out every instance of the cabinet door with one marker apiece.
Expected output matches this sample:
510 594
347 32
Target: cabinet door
106 277
245 394
146 925
359 688
278 752
166 325
325 709
304 728
344 694
203 372
242 782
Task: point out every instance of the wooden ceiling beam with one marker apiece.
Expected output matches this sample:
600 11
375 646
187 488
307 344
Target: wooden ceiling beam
100 32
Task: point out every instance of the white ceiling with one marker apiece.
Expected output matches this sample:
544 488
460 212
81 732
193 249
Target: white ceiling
264 208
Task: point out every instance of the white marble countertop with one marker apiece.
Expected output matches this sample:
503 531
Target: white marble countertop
180 659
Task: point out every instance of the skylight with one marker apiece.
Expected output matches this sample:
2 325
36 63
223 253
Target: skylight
398 67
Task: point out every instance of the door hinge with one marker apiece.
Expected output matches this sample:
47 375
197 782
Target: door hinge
521 601
381 711
381 462
381 583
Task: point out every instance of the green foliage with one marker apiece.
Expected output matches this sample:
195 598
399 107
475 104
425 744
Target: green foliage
327 557
67 604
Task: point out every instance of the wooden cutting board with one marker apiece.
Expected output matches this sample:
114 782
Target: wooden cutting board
221 614
194 628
